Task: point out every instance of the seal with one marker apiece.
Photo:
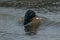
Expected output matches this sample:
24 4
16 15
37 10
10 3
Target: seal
31 22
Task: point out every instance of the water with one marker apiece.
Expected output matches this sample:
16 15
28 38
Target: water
10 29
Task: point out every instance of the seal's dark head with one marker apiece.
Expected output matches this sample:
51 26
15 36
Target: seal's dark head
28 16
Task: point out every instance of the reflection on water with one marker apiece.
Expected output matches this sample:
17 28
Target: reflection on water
6 21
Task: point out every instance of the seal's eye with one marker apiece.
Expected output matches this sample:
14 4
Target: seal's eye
37 18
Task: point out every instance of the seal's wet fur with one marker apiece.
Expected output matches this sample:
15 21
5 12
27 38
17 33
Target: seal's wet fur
30 22
28 16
